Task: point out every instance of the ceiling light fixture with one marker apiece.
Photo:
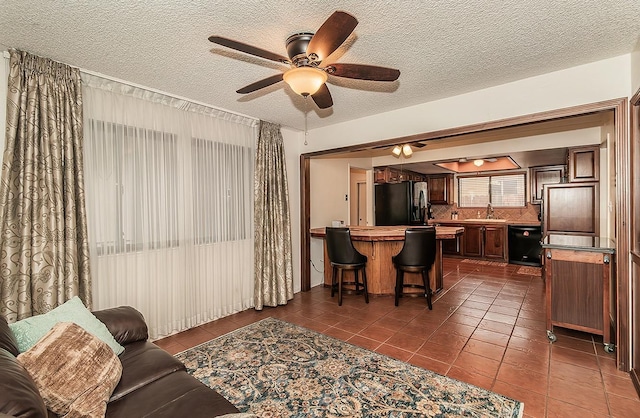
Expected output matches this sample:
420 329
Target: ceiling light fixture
478 163
305 81
405 150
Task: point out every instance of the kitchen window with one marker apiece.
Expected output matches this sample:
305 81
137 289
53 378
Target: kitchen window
506 190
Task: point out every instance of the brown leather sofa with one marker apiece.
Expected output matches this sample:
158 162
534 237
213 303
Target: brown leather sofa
153 383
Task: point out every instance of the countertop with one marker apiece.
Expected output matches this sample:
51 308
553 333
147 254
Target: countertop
579 243
482 221
389 233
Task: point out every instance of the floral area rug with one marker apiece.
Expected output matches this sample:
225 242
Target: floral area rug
276 369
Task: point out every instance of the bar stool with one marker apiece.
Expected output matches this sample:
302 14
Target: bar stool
344 256
417 256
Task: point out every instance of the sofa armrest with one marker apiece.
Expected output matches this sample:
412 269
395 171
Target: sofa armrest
7 339
126 324
20 396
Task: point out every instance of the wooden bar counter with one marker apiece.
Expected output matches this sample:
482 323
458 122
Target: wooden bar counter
379 244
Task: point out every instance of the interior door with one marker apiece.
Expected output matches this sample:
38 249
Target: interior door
362 203
635 237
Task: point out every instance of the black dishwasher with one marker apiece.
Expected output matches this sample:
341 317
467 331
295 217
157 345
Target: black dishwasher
524 245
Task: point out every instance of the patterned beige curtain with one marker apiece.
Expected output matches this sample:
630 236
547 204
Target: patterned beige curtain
43 246
273 265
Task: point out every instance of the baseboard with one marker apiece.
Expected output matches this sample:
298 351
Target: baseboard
635 379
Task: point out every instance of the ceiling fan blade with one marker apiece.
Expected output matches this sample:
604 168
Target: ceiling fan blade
418 144
333 32
260 84
363 72
323 97
239 46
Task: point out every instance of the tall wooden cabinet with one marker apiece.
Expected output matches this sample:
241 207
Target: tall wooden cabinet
571 208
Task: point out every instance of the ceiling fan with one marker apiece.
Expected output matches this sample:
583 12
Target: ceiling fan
306 51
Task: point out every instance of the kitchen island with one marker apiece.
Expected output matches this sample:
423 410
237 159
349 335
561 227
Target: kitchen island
379 244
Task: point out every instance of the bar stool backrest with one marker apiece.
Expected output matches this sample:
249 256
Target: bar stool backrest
419 248
340 248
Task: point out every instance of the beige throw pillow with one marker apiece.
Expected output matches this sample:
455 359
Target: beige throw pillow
75 372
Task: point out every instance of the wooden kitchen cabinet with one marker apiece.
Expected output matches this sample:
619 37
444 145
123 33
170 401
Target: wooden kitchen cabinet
539 176
472 240
440 189
584 164
485 241
494 242
393 175
571 208
578 286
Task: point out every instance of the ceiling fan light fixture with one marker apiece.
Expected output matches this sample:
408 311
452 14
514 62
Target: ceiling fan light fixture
305 81
478 163
406 150
396 150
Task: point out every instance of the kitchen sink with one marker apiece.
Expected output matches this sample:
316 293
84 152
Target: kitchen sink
493 220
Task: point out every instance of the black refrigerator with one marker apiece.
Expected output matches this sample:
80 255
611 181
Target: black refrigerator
401 203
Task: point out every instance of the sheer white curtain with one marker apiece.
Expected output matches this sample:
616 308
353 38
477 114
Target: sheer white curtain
169 205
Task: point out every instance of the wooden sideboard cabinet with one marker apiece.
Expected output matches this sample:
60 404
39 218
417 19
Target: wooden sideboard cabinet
578 288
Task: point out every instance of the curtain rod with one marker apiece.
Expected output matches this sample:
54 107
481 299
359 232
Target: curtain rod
129 83
5 54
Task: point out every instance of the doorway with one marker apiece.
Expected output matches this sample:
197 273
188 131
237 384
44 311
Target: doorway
622 207
358 196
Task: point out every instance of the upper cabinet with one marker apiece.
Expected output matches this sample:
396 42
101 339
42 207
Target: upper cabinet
539 176
440 189
584 164
393 175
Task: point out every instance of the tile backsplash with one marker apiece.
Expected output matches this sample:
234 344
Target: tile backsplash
527 213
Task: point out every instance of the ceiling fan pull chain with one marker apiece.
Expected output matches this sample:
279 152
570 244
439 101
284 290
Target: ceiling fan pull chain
306 110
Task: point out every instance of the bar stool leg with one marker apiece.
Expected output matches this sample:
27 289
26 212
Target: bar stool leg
341 272
399 280
427 288
364 282
333 280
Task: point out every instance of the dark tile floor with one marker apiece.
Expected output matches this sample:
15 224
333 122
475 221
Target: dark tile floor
486 328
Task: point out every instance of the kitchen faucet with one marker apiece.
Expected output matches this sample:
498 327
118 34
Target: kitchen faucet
489 211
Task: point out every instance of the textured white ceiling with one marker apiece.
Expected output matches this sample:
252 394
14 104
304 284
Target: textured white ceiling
442 48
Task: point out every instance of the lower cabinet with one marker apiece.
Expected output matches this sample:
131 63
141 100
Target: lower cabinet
485 241
495 242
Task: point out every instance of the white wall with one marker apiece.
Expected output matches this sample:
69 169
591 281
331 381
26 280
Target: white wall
635 72
601 80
